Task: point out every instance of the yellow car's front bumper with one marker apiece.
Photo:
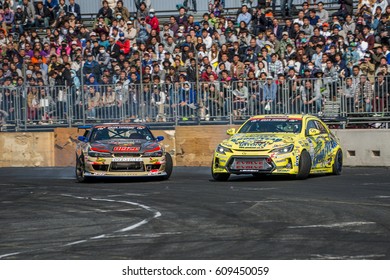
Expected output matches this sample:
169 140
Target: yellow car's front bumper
270 163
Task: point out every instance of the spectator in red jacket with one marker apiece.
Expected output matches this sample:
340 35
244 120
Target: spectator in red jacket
124 44
152 20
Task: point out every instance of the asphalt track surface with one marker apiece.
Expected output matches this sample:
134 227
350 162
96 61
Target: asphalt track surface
45 214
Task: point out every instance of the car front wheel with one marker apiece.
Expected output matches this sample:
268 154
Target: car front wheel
168 166
219 176
80 170
304 165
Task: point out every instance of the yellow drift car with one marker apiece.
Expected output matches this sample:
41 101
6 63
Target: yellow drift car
278 144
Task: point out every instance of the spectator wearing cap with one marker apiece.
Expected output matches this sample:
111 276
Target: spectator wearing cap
153 21
367 67
122 11
91 67
284 42
124 44
131 32
250 56
64 47
19 20
325 30
322 13
143 31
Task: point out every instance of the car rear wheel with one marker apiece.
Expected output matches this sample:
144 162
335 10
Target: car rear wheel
304 165
168 165
338 163
80 170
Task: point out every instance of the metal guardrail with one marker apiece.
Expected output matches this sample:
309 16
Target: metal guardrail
229 102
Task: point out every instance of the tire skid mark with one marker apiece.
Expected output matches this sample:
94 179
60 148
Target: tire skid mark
155 215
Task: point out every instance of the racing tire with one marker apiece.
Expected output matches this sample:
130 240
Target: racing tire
168 166
304 165
222 177
80 170
338 163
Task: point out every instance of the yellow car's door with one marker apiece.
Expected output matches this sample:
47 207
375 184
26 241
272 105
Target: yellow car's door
314 138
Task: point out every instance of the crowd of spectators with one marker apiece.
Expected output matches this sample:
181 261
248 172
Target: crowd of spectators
132 65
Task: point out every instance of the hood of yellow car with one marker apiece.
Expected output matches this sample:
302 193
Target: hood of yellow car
259 141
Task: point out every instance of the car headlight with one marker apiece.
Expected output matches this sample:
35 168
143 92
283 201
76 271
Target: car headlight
98 153
156 152
284 150
223 150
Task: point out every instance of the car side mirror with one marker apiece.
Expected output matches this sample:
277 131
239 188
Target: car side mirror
159 138
314 132
231 131
82 139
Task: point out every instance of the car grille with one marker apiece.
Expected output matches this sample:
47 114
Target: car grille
250 164
127 154
127 166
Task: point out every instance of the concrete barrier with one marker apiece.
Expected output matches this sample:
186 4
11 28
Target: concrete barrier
26 149
365 147
189 146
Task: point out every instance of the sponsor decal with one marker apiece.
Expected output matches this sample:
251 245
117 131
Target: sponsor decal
101 160
99 149
125 149
153 160
126 159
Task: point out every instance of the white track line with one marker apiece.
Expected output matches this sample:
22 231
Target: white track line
346 224
358 257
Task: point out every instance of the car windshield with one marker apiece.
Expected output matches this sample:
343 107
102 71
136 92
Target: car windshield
102 133
272 125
